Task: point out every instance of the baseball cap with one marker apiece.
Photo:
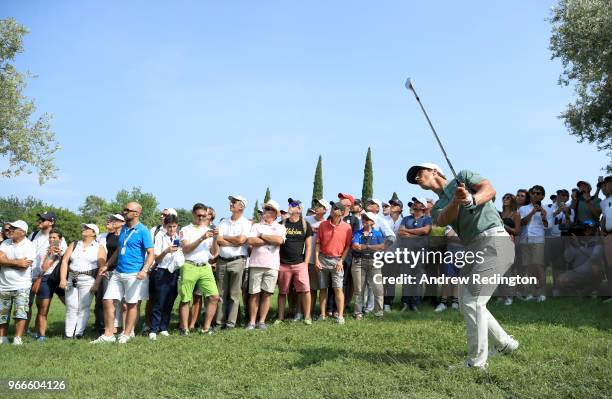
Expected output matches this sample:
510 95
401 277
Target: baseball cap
607 179
369 215
397 202
588 223
238 198
272 204
324 204
414 170
50 216
385 204
338 205
420 200
283 211
172 211
91 226
375 201
117 216
347 196
582 182
20 224
293 202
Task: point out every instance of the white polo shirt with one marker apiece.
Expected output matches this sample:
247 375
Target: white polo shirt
230 228
41 244
606 211
534 231
201 254
12 278
554 221
381 224
171 261
395 225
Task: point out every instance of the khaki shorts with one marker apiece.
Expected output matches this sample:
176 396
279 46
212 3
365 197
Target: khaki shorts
532 254
262 279
328 272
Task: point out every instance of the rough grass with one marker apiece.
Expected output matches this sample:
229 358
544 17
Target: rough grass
566 347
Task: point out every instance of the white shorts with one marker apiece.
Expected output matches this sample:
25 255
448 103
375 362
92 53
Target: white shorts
125 286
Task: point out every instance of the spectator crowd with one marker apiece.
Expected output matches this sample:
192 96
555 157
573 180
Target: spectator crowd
225 275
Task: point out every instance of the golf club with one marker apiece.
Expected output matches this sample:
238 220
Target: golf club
410 87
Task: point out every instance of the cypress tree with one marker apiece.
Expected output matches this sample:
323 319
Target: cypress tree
368 178
317 185
255 213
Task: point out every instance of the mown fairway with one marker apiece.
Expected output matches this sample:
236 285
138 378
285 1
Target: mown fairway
566 352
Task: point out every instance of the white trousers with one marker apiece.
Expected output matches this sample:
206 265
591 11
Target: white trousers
480 323
78 301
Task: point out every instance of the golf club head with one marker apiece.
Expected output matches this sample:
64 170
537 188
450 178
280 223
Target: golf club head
409 84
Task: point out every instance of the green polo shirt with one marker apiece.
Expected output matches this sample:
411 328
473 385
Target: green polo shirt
584 212
472 220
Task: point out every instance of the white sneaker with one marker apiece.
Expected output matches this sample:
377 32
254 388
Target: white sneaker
510 347
609 300
298 317
455 306
164 333
17 341
340 320
103 339
440 308
4 340
132 335
541 298
387 308
123 339
508 301
152 336
529 298
404 308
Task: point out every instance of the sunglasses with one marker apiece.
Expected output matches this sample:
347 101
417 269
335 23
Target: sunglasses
127 210
537 193
269 209
507 197
201 216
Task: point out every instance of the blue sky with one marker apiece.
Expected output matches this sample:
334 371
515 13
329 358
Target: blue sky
195 100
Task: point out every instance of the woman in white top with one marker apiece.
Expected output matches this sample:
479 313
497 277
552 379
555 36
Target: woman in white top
48 285
81 279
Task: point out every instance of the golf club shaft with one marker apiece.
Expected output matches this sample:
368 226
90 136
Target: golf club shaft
434 131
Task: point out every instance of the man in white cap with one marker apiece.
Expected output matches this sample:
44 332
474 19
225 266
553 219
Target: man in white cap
320 207
16 257
265 238
233 251
374 205
466 204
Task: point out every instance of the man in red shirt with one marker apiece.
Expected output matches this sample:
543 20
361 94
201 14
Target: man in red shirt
333 244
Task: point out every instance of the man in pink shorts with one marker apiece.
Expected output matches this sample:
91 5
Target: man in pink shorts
294 254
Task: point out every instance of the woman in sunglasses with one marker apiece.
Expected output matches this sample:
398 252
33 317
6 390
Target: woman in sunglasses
81 279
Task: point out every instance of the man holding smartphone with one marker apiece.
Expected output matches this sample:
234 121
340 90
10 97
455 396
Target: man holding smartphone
534 221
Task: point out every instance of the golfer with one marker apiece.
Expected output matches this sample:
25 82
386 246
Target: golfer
467 206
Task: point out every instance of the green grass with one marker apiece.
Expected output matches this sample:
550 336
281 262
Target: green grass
566 352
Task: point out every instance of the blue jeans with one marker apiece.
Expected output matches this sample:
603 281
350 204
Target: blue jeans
165 288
